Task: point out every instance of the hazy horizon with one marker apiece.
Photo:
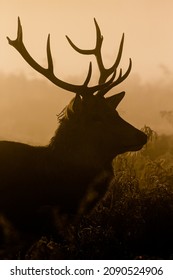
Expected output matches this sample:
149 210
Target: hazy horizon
29 104
29 107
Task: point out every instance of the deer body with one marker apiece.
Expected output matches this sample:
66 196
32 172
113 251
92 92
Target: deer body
78 160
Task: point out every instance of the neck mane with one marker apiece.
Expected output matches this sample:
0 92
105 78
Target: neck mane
69 148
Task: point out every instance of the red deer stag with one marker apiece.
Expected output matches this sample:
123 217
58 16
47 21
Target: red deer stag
75 168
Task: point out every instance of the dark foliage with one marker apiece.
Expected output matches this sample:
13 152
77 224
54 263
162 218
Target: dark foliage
134 220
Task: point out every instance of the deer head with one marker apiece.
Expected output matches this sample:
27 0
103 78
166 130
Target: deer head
100 131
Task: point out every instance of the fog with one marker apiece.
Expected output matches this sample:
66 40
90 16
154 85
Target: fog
29 103
29 107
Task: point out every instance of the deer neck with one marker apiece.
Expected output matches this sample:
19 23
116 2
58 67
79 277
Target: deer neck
70 150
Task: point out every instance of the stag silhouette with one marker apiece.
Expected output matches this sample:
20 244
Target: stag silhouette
74 170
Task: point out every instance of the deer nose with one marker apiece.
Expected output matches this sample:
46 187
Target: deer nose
142 138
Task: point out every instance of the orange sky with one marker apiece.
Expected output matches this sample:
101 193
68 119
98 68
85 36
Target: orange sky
147 25
28 108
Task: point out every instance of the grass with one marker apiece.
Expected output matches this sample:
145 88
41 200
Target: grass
135 218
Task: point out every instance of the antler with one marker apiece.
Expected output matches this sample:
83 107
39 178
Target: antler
104 73
49 72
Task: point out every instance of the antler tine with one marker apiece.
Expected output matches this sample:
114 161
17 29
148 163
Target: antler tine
48 72
49 55
19 46
89 75
119 80
117 61
104 72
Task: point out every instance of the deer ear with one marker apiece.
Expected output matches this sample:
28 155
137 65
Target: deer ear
74 106
114 100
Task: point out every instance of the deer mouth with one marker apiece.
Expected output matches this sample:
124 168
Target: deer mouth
136 148
132 148
140 144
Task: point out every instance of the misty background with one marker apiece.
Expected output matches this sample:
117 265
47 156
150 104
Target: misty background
29 114
29 103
